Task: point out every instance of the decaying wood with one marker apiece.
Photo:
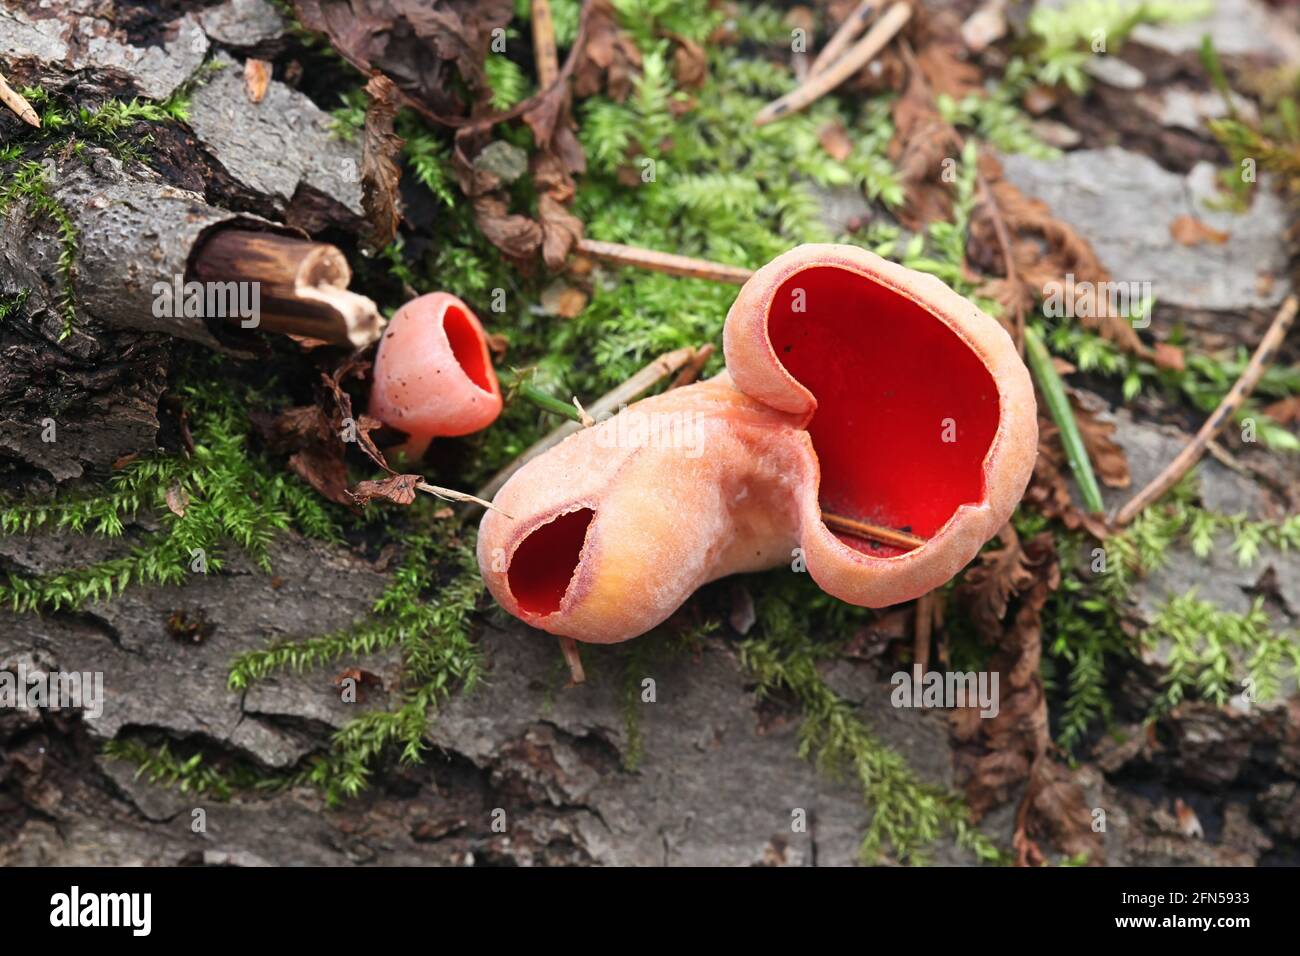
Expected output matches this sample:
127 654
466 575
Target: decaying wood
134 235
303 284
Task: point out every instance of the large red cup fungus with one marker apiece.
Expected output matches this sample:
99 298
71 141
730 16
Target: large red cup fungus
433 373
854 386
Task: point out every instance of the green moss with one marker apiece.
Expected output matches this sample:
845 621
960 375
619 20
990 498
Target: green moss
1203 382
113 125
190 774
230 498
1087 614
28 183
906 814
13 304
426 611
507 80
1216 654
1064 38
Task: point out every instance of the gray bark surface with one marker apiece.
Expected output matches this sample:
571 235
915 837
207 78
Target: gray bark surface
720 773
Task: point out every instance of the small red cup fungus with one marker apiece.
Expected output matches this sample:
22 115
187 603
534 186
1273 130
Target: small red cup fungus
855 388
433 373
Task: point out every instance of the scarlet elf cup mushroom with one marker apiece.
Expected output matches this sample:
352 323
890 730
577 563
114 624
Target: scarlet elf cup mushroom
433 373
854 387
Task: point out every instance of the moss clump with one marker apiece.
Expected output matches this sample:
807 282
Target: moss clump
28 183
1203 382
906 814
192 774
13 304
1209 648
224 495
1089 630
426 611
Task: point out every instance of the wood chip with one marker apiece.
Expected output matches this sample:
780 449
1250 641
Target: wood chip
1190 231
257 78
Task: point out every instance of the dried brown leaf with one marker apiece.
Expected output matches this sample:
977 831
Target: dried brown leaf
515 235
835 140
994 754
922 141
690 63
177 500
988 585
610 60
399 489
324 470
1190 231
257 78
1169 356
1285 411
431 51
947 72
380 174
1108 459
563 300
1054 808
1045 251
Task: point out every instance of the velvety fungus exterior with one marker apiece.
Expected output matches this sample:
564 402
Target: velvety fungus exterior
433 372
854 387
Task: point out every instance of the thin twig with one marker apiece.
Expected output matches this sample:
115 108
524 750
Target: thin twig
692 371
926 606
548 60
585 420
640 383
848 31
1221 454
861 53
18 103
666 262
1238 394
460 497
872 532
1004 244
569 648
